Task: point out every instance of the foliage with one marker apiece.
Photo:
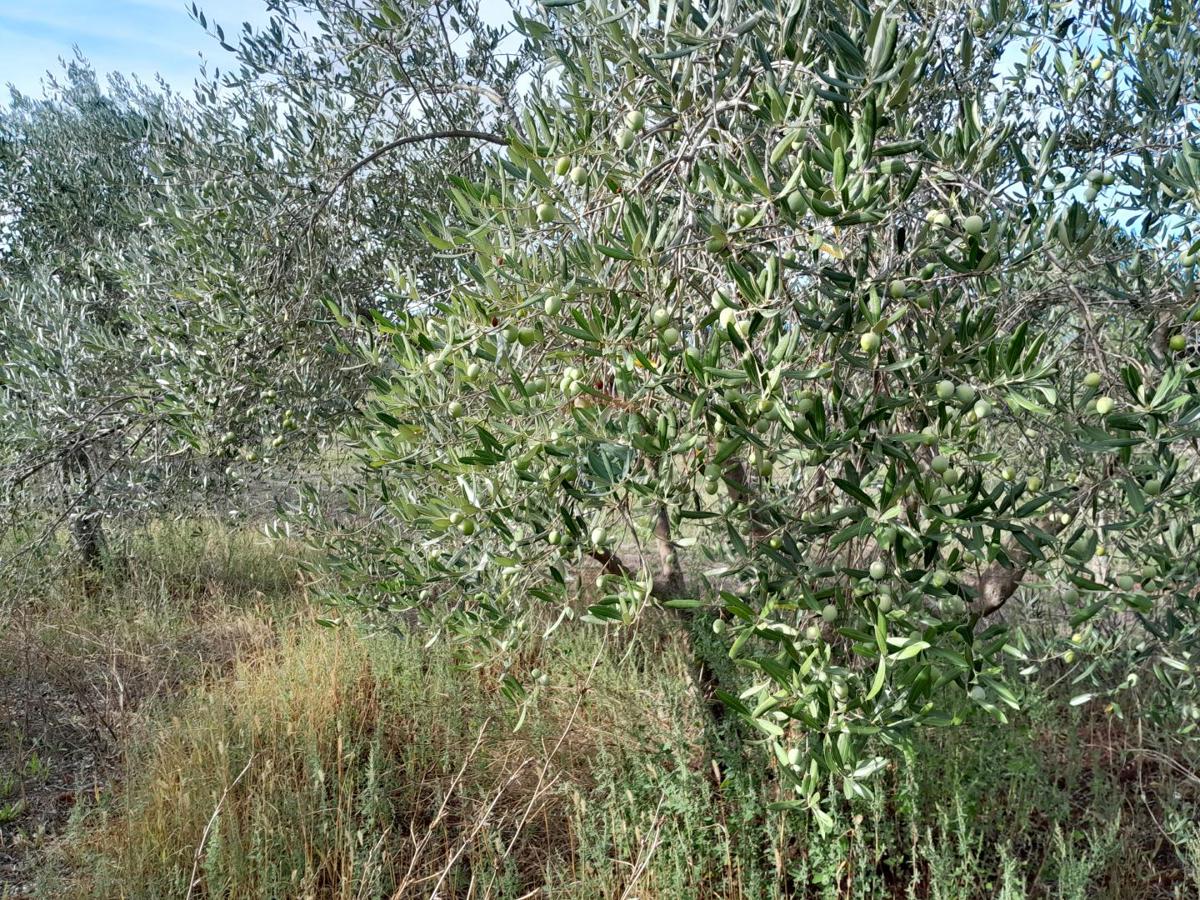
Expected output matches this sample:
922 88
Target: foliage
835 326
175 273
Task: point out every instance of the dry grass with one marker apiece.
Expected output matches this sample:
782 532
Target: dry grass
330 768
202 736
86 658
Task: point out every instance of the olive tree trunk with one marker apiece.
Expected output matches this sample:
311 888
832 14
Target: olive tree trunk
85 519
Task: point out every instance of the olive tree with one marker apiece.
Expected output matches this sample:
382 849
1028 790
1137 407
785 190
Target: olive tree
857 335
181 277
74 190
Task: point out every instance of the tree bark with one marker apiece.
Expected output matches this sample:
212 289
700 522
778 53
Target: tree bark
669 583
86 526
998 583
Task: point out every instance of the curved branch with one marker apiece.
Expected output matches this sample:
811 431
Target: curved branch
395 145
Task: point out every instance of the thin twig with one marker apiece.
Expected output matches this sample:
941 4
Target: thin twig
394 145
208 827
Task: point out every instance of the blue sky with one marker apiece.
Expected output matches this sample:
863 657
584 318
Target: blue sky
139 37
135 37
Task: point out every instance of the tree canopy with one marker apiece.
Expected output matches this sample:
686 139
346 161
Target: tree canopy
856 335
180 274
854 340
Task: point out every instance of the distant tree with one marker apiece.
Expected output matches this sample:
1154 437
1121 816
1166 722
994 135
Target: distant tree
181 279
74 188
856 336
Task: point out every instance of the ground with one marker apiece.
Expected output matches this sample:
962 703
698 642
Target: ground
188 725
